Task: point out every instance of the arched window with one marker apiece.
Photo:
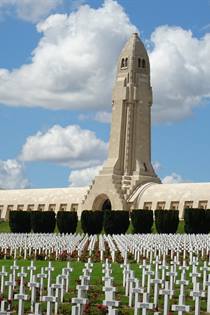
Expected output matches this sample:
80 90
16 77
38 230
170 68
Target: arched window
139 62
143 63
126 62
122 63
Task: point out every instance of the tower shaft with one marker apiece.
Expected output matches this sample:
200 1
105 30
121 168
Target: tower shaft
129 158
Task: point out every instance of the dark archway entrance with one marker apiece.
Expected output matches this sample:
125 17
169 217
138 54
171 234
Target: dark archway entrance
102 202
106 205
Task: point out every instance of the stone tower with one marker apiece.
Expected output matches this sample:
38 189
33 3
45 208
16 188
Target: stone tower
129 158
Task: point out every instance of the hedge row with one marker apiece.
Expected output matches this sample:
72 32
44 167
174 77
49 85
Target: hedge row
197 221
92 222
142 221
166 221
113 222
42 221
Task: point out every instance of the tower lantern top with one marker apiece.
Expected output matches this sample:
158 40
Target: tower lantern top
134 56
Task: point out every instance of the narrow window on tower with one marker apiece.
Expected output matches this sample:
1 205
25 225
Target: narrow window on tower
143 63
126 62
122 63
139 62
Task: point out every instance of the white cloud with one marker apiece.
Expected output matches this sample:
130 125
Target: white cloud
12 175
180 72
29 10
73 65
71 146
156 165
101 116
173 179
83 177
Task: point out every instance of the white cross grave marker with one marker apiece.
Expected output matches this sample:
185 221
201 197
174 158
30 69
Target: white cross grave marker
33 285
50 299
166 292
3 274
145 305
180 308
197 294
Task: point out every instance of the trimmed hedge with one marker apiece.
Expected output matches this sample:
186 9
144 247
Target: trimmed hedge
207 221
20 221
43 221
142 221
67 221
116 221
166 221
195 221
92 222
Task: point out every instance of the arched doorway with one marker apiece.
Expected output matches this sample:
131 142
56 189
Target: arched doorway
106 205
102 202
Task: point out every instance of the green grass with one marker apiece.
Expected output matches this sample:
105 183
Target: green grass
4 228
95 293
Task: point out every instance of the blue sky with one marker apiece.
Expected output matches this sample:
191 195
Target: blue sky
55 91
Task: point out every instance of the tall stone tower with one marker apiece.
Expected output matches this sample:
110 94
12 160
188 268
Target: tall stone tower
129 159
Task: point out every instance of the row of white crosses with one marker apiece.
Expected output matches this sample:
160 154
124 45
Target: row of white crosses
27 245
55 292
187 245
162 278
92 242
108 289
134 290
81 246
81 299
101 247
112 246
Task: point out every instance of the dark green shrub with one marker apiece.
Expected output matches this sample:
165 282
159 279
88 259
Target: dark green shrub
194 221
166 221
116 221
207 221
142 221
20 221
92 221
67 222
43 221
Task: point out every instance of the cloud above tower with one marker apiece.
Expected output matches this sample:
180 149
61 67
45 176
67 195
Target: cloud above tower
73 65
180 72
29 10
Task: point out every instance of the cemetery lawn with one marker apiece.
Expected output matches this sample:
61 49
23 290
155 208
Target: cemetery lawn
4 228
95 293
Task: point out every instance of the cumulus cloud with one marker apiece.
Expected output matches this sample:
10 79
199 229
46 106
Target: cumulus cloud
174 179
74 63
180 72
12 175
83 177
29 10
156 165
101 116
71 146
